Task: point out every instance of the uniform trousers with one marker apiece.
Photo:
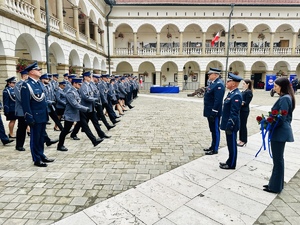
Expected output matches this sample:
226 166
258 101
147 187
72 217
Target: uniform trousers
110 111
37 136
84 120
214 127
243 133
101 115
276 181
54 117
65 131
21 132
232 148
3 136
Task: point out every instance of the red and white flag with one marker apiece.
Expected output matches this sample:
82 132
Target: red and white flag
216 39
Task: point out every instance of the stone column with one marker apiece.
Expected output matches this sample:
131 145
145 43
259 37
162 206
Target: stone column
180 79
180 42
271 43
158 44
226 43
3 4
202 78
247 74
249 43
78 69
203 42
87 29
37 11
59 13
96 34
8 68
134 43
294 43
62 69
76 21
158 78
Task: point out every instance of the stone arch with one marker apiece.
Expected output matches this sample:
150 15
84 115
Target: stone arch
124 36
96 64
169 29
168 70
103 65
146 69
74 59
213 30
192 36
146 35
238 67
87 62
124 68
56 56
192 70
27 48
281 67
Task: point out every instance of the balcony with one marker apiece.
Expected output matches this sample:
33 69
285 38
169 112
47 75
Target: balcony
21 8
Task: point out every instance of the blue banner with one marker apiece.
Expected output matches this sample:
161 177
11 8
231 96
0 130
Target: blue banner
292 76
270 78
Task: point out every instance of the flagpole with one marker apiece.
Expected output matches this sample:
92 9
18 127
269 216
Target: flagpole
228 40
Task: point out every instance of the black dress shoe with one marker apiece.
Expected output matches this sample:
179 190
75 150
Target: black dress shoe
226 167
28 133
110 127
266 186
20 149
7 141
270 191
48 123
207 149
117 116
211 152
98 141
51 142
47 160
222 164
105 136
40 164
11 136
62 148
116 121
75 138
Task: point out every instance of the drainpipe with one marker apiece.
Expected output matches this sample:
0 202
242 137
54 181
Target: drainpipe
228 40
47 36
107 30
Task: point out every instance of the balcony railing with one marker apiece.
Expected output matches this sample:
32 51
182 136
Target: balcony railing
282 51
83 37
123 51
93 43
215 50
169 50
53 21
297 51
21 8
238 51
69 30
192 50
260 51
146 51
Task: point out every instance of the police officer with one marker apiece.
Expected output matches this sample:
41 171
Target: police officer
213 99
71 115
231 119
60 100
35 111
9 100
21 129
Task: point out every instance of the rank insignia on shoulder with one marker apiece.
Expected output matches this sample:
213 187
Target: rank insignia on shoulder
236 100
219 87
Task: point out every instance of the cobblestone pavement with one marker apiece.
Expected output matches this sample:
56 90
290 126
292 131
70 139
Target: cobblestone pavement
161 133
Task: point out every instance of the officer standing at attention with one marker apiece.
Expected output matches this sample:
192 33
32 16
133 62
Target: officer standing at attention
213 99
9 101
21 130
231 119
35 111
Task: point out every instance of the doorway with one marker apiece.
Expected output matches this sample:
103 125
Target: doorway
154 78
258 83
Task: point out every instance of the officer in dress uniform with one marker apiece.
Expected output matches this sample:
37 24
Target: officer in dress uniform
213 99
60 100
50 99
4 138
35 111
68 81
98 104
231 119
106 103
21 130
9 100
72 114
54 81
87 99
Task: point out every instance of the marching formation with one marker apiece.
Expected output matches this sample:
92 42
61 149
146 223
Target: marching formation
75 100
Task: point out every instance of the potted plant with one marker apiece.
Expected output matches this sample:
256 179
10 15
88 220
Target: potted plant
100 31
121 35
169 35
22 64
261 36
81 16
